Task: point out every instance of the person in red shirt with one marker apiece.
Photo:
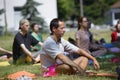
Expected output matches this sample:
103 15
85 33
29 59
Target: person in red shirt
115 36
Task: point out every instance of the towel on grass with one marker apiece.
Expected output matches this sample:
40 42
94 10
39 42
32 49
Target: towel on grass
21 74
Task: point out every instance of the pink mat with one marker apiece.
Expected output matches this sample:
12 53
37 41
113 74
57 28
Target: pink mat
115 60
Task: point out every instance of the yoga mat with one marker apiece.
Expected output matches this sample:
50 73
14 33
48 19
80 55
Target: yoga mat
91 73
4 63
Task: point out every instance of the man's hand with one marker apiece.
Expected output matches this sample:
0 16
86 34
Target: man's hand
96 64
78 69
69 62
34 60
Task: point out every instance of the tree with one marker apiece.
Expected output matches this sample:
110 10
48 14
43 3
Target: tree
1 31
30 12
67 9
96 9
93 9
2 11
6 25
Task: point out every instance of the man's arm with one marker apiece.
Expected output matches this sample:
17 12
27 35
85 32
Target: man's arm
26 51
69 62
40 43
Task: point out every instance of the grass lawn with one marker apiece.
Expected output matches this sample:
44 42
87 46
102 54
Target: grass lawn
106 65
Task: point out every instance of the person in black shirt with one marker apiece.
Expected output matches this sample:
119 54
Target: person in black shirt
22 44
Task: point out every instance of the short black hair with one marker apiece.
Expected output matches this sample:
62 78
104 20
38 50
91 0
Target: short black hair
54 23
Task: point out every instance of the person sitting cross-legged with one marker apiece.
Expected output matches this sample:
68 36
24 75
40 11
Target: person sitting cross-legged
38 36
55 55
22 44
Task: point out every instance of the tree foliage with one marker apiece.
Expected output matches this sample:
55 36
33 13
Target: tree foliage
30 12
66 9
97 9
93 9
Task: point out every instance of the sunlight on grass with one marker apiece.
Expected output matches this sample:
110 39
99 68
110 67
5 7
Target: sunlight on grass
106 34
6 42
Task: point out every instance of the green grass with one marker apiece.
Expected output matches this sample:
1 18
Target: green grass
106 65
106 34
6 41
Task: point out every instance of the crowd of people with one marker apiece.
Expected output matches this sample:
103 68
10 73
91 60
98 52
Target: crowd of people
57 55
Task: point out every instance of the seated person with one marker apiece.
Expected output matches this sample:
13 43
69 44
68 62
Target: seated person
115 36
84 39
115 39
37 35
5 54
22 44
56 53
112 47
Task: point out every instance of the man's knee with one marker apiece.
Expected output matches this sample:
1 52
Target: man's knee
83 63
84 59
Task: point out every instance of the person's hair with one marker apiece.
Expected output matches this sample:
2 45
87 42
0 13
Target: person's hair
22 21
118 22
54 24
89 23
80 19
33 25
116 26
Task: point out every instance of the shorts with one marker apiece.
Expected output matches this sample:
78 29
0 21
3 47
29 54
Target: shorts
51 71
